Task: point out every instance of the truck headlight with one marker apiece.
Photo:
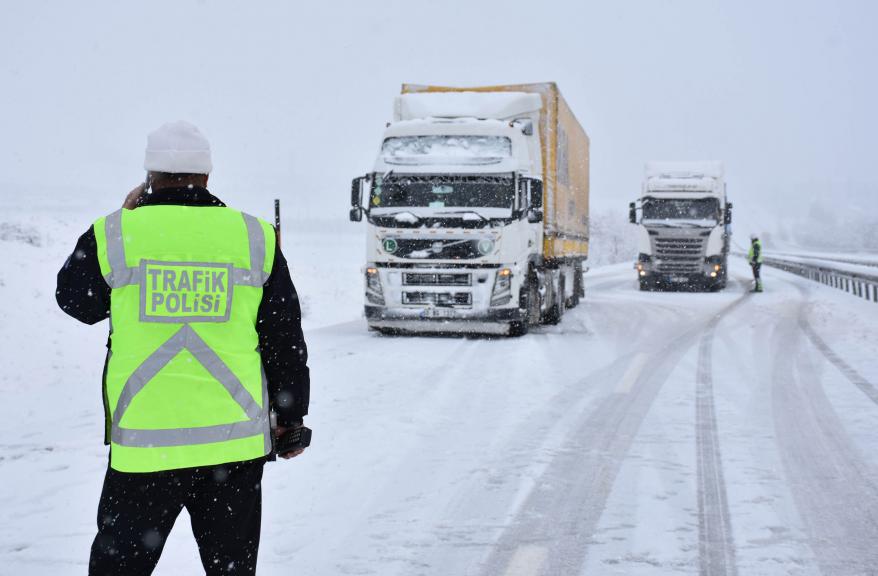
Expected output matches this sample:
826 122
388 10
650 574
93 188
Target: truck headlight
713 265
502 293
374 293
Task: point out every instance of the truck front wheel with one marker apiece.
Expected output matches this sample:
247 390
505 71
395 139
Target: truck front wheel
529 303
556 312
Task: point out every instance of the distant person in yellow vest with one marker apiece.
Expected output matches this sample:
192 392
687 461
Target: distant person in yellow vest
205 343
754 256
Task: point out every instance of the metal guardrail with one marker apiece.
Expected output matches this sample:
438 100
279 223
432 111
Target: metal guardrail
833 258
858 284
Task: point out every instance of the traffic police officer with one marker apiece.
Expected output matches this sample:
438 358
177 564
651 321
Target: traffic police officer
205 342
754 256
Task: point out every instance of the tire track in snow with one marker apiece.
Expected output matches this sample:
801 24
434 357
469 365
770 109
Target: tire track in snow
849 372
487 509
846 369
716 547
559 517
482 506
385 524
466 513
834 488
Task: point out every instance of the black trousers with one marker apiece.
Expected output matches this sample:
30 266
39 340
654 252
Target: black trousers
137 511
756 266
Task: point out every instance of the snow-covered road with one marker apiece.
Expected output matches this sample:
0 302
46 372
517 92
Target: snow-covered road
648 433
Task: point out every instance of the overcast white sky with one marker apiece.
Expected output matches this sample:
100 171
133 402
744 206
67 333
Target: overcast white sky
294 95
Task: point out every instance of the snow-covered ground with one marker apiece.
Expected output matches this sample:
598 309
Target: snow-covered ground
648 433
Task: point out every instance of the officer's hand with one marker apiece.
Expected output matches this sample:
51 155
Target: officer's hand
279 431
131 199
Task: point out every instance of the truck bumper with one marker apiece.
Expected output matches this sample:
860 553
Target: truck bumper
442 320
687 282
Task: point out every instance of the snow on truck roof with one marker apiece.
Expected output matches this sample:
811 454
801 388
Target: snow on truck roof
684 170
494 105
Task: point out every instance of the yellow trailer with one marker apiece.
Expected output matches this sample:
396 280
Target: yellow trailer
565 168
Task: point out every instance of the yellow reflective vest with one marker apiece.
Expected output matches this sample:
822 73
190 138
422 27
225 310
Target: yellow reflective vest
184 383
755 253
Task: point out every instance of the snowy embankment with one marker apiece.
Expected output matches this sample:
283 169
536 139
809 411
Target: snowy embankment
648 433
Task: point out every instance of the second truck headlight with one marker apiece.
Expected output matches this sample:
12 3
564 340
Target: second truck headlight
502 292
374 293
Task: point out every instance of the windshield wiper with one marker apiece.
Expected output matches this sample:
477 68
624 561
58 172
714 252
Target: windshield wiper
673 224
482 218
697 224
403 216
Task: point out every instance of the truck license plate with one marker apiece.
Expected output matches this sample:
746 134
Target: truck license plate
438 313
679 278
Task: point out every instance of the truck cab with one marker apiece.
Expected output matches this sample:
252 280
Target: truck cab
454 216
684 226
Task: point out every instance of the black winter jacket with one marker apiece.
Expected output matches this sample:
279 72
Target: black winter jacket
84 294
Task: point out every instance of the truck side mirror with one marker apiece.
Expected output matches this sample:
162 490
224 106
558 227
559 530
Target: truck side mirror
535 195
632 213
356 214
534 215
728 214
357 191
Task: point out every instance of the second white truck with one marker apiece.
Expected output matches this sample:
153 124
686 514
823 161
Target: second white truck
684 226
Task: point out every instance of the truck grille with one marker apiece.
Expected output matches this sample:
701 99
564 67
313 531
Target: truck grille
446 249
679 255
438 298
436 279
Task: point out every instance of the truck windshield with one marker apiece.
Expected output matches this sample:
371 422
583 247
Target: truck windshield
443 192
680 209
446 149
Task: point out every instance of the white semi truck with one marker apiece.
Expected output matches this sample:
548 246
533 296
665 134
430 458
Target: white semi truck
684 229
476 210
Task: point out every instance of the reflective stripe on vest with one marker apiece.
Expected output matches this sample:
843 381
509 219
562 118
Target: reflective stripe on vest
187 339
122 275
183 293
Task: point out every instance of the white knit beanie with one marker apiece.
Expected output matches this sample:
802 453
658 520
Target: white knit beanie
177 147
